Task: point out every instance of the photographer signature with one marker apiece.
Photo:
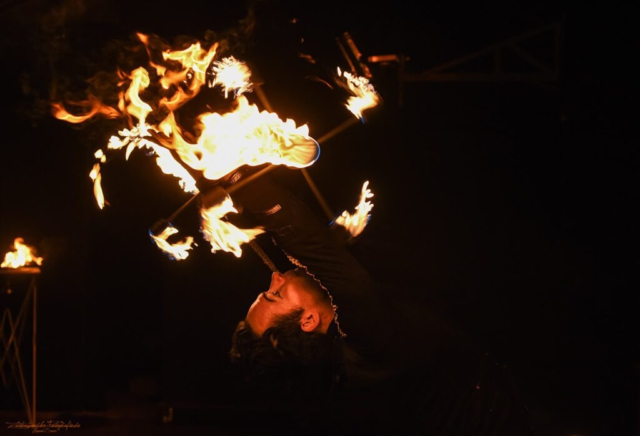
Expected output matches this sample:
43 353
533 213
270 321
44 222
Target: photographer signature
43 426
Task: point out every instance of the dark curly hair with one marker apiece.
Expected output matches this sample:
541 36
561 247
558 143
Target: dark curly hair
285 359
284 344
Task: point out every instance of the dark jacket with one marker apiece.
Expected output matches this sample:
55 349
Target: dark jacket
393 365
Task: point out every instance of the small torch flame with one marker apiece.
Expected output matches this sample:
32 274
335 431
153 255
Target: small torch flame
22 256
97 185
176 251
355 223
364 95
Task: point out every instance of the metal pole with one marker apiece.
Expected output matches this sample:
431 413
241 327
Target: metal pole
347 123
325 207
33 357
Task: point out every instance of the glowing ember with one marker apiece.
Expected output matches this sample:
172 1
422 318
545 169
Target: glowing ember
364 95
356 223
22 256
176 251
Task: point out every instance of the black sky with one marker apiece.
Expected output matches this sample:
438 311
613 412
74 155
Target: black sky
510 205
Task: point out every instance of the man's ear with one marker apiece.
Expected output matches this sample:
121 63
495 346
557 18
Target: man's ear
310 320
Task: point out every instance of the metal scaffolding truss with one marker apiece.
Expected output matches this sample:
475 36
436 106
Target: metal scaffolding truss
531 57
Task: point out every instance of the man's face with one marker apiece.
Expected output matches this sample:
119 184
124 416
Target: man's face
287 292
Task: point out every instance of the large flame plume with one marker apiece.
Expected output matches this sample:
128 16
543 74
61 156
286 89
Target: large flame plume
215 144
221 144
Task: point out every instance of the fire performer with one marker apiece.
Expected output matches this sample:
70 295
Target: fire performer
324 334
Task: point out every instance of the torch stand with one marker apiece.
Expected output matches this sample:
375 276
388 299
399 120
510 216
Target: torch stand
11 330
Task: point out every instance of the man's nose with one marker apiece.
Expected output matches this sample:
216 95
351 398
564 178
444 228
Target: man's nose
277 277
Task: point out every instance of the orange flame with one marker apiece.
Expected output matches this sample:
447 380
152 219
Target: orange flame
178 250
22 256
131 101
223 235
97 185
364 95
195 62
91 107
215 145
226 142
355 223
246 137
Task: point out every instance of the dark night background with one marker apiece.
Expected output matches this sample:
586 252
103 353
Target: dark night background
511 207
